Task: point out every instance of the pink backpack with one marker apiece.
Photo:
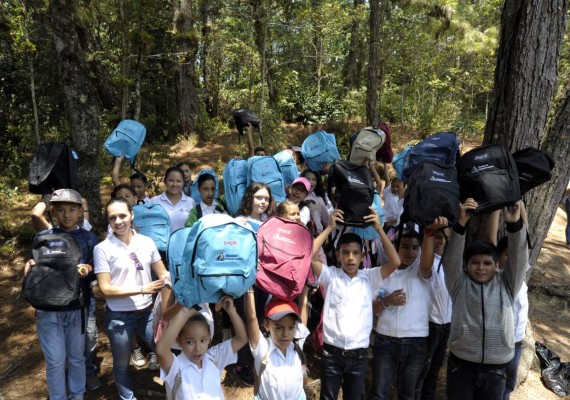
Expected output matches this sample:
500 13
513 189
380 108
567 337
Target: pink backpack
284 248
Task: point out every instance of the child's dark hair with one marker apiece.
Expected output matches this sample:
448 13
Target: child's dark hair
319 187
204 178
183 163
139 175
283 207
171 170
408 234
247 201
396 180
349 237
483 247
259 148
118 200
121 187
196 318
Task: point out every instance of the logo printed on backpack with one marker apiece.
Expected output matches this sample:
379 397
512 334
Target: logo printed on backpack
221 257
277 236
355 180
482 157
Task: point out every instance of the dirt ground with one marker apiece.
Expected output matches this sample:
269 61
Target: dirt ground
22 369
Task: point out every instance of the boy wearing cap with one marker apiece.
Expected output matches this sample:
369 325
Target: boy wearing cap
347 312
278 359
61 332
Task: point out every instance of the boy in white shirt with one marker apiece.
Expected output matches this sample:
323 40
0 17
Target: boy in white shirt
347 312
402 328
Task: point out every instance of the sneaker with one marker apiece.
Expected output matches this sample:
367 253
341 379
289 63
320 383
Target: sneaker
244 374
137 358
92 382
152 362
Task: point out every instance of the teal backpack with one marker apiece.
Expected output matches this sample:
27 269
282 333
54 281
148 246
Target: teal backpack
235 184
217 256
127 139
153 221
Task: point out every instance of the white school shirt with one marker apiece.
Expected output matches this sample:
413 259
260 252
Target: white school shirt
207 210
178 212
441 306
411 319
393 206
520 311
282 378
347 319
200 383
112 255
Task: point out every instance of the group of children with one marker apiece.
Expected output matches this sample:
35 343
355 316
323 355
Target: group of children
423 293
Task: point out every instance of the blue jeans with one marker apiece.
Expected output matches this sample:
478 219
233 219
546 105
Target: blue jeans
63 344
91 338
435 355
511 370
467 381
400 358
348 371
120 328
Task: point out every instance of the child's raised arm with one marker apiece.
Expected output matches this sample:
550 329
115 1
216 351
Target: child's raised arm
320 240
251 319
303 303
165 356
428 247
38 220
116 169
493 226
391 253
240 338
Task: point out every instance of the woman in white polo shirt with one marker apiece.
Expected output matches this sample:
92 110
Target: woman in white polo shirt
123 264
173 199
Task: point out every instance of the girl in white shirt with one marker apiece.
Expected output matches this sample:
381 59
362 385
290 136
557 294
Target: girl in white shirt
255 205
316 200
173 200
196 372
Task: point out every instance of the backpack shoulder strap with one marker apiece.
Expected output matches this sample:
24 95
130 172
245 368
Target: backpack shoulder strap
177 383
263 365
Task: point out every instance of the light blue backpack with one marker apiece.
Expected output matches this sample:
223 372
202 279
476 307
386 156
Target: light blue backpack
153 221
369 233
265 169
235 184
399 161
288 166
127 139
217 256
194 193
319 147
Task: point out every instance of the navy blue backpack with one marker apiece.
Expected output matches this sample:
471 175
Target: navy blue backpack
217 256
265 169
127 139
235 184
318 148
153 221
441 148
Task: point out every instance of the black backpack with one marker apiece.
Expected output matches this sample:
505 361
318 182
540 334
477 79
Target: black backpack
354 191
489 175
53 167
53 284
432 191
534 167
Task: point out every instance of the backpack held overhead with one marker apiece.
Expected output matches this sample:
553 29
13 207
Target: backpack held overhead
153 221
441 148
366 144
534 167
489 175
244 116
318 148
265 169
399 161
127 139
53 167
354 191
235 184
217 256
53 284
284 257
432 191
288 166
385 152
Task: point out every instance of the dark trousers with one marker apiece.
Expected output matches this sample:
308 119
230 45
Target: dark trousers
511 370
474 382
435 355
400 358
350 372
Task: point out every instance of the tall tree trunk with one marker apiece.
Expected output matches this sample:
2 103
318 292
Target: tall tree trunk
526 71
187 92
81 100
260 17
205 9
353 61
33 96
373 64
532 33
124 61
